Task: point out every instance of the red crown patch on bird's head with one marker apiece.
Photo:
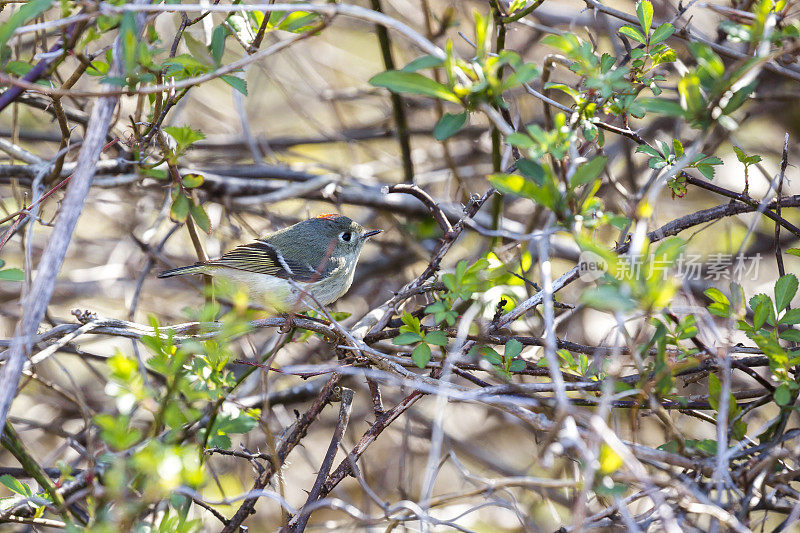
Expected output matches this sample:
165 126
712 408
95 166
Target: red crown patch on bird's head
329 215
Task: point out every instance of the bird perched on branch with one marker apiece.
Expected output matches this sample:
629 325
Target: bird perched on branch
317 256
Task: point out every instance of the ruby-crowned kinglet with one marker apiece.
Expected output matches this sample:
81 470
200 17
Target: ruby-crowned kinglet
316 256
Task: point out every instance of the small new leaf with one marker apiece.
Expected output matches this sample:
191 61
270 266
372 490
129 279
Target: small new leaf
785 289
190 181
644 12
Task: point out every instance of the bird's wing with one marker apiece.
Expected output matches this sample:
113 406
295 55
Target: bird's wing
262 258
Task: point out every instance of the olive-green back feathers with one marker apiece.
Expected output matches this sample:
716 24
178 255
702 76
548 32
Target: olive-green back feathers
305 252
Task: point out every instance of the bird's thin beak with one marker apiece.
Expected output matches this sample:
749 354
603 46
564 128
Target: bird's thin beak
370 233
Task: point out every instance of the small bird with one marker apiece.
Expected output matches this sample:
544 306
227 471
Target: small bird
316 256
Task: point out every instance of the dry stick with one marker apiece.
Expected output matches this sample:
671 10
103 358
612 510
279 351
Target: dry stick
301 518
550 343
784 164
426 199
375 395
37 300
744 199
784 415
344 468
293 438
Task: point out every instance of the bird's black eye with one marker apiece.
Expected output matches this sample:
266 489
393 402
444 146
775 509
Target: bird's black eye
346 236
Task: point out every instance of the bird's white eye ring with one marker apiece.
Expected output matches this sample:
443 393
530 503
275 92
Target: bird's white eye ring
345 236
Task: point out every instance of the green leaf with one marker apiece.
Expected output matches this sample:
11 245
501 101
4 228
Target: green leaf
785 289
761 313
513 184
399 81
607 297
716 295
667 56
190 181
513 349
220 441
16 486
237 83
438 338
26 12
714 390
179 209
677 147
531 169
200 217
12 274
408 337
792 316
739 98
422 63
633 33
241 423
517 365
707 171
129 40
791 335
491 355
449 125
184 135
711 160
644 12
298 21
436 307
575 95
689 88
217 46
759 299
719 309
661 33
589 171
421 355
520 76
661 106
782 395
643 148
793 251
411 323
18 68
520 140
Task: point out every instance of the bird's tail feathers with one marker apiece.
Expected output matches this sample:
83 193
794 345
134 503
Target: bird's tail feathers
180 271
